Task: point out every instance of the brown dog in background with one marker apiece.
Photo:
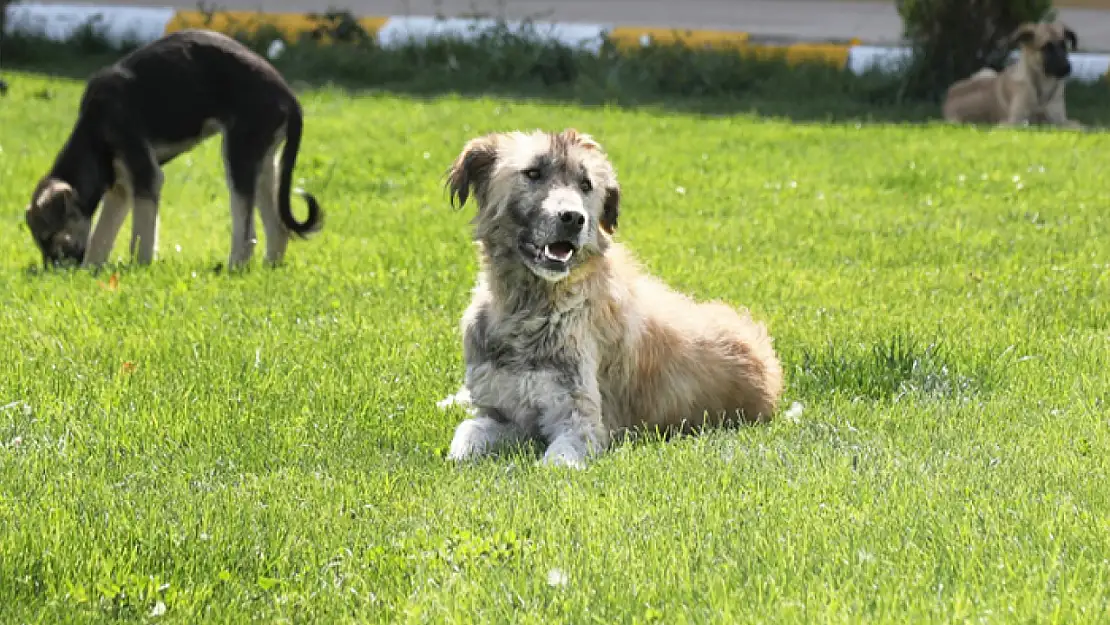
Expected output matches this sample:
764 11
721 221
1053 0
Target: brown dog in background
1028 91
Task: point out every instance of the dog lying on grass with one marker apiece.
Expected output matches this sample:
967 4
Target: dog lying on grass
153 105
1028 91
566 340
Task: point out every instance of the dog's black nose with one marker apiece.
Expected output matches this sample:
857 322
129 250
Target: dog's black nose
572 219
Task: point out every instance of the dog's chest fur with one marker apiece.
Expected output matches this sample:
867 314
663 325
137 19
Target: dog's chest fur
525 363
1038 90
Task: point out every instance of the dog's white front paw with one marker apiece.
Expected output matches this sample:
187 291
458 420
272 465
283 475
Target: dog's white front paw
563 460
475 437
469 441
564 452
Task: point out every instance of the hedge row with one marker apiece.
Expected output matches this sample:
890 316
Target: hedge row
519 62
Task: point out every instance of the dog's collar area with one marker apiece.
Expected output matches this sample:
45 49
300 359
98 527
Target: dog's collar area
1041 95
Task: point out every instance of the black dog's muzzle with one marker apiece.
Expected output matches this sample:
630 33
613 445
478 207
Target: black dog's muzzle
1056 63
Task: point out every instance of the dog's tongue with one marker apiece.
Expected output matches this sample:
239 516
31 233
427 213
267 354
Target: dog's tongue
560 251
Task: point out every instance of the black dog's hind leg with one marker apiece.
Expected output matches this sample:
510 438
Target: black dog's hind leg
244 152
277 235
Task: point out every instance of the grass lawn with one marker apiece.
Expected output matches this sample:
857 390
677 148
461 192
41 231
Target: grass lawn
178 444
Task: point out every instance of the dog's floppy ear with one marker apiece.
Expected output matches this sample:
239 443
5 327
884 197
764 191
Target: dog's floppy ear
50 207
1024 35
472 169
1070 36
611 209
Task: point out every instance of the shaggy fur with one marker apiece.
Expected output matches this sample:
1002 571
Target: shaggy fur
566 339
1029 91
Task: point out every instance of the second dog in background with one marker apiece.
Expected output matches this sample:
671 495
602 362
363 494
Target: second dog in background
1028 91
153 105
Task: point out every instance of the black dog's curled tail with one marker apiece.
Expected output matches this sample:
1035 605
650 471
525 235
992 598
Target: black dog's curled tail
315 220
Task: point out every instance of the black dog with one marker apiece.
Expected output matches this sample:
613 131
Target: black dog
153 105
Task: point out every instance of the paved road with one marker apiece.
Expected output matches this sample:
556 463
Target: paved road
873 21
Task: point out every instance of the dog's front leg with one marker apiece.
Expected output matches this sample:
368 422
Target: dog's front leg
144 219
144 230
1058 116
574 429
573 450
482 434
1019 112
113 212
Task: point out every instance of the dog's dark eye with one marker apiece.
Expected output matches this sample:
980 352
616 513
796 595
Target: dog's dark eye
533 173
586 185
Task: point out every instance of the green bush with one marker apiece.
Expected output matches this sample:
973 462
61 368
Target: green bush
952 39
519 58
3 16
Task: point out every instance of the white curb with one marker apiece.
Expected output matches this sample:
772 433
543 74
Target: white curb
398 31
117 24
1088 67
1085 66
862 59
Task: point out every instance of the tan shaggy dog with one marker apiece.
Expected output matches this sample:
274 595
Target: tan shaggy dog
1029 91
566 340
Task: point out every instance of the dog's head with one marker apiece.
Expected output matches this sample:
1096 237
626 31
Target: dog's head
57 224
1046 46
549 201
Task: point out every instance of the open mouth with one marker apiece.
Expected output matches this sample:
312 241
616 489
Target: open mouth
559 252
550 261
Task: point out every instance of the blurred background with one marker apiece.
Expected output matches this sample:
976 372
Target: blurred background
805 59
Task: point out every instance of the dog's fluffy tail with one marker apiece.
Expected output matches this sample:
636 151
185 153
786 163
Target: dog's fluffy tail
315 219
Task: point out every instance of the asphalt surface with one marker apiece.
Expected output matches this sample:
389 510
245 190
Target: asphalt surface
872 21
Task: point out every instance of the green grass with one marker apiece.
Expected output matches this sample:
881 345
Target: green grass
272 450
